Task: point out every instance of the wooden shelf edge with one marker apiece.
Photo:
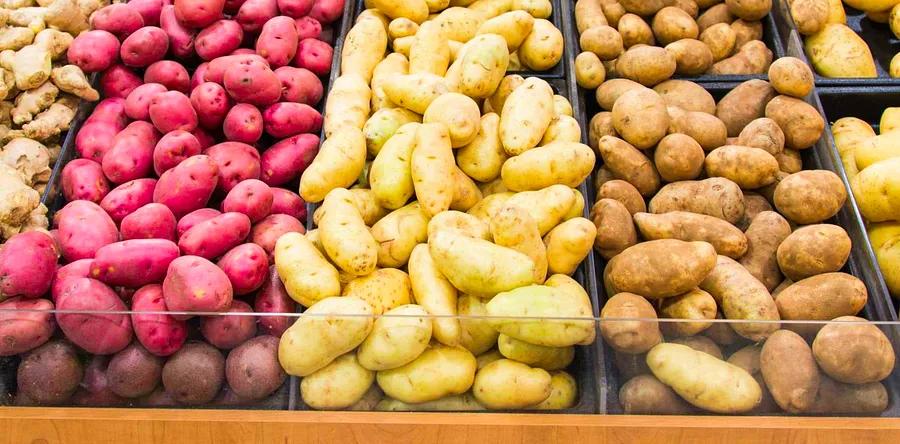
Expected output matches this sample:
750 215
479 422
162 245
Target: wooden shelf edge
40 425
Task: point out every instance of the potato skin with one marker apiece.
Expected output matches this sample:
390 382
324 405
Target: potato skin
763 133
692 57
810 196
678 157
615 229
49 374
765 233
708 130
750 168
647 65
853 353
629 336
686 226
822 297
628 163
695 304
686 95
623 192
720 39
646 395
716 196
568 244
801 122
634 31
671 24
680 266
742 296
812 250
743 104
791 76
604 41
529 106
566 163
507 384
542 48
790 371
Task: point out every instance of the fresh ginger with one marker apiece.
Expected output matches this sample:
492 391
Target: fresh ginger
52 121
31 18
71 79
65 15
32 102
29 157
88 6
16 4
7 84
17 201
57 42
30 65
15 38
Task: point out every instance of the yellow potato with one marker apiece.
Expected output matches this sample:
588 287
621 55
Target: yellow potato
491 8
430 52
398 233
413 91
384 289
435 294
401 46
547 358
484 156
877 148
589 70
391 173
415 10
566 163
438 372
345 236
492 203
397 338
514 228
432 168
459 114
328 329
537 8
402 27
703 380
506 384
577 208
453 403
578 293
476 335
465 191
890 120
525 314
568 244
483 65
542 48
478 267
563 392
837 51
696 304
313 236
513 26
743 297
548 206
383 124
338 164
561 106
338 385
525 116
700 343
394 63
459 222
307 275
372 13
348 104
875 191
459 24
507 85
364 47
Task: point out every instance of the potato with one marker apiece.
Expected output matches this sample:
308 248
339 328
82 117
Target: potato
743 104
338 385
763 133
701 344
49 374
476 335
623 192
363 48
588 13
430 52
820 298
484 156
194 375
628 163
704 381
542 48
525 116
692 57
432 167
327 172
539 356
507 384
646 395
705 129
634 31
459 222
637 336
435 294
671 24
603 41
589 70
716 196
836 398
644 106
853 351
754 204
566 163
397 233
453 403
609 92
513 27
791 76
568 244
754 57
507 85
680 266
384 289
695 304
765 233
615 229
483 65
810 196
717 13
686 226
750 168
563 128
875 149
801 122
417 11
647 65
562 106
514 228
741 296
563 392
548 206
414 91
678 157
439 371
462 123
390 176
478 267
316 340
345 236
720 39
790 371
541 302
686 95
812 250
837 51
384 124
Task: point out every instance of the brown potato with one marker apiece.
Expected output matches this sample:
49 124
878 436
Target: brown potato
630 365
791 76
626 162
641 117
720 39
715 14
752 57
754 204
812 250
692 57
810 196
742 297
766 232
615 230
625 193
701 344
635 31
686 95
750 168
747 358
695 304
854 353
801 122
769 191
688 6
722 333
762 133
679 267
810 16
790 371
743 104
613 11
853 399
749 9
599 126
589 70
781 287
706 129
790 161
646 395
610 91
588 13
678 157
637 336
682 225
647 65
716 196
643 7
746 31
821 298
602 40
671 24
603 175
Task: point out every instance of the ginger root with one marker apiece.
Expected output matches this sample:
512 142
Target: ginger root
31 18
16 4
89 6
37 219
7 85
17 201
57 42
29 157
52 121
65 15
15 38
71 79
30 65
32 102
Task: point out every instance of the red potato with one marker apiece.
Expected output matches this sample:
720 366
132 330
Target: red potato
152 221
170 74
307 28
251 197
253 14
77 269
327 11
118 81
134 263
181 38
172 110
246 266
244 51
127 198
295 8
299 85
197 78
254 84
131 155
288 159
25 324
277 43
174 148
237 162
83 228
213 238
232 6
218 39
83 179
100 334
215 72
243 123
267 231
94 51
273 298
196 284
206 140
121 19
137 104
193 218
198 13
188 186
98 132
288 119
109 110
148 9
227 332
27 265
314 55
212 104
160 334
288 202
145 46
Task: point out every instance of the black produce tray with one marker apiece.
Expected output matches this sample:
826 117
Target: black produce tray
878 36
862 262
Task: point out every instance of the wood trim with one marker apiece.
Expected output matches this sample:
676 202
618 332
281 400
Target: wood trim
99 426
